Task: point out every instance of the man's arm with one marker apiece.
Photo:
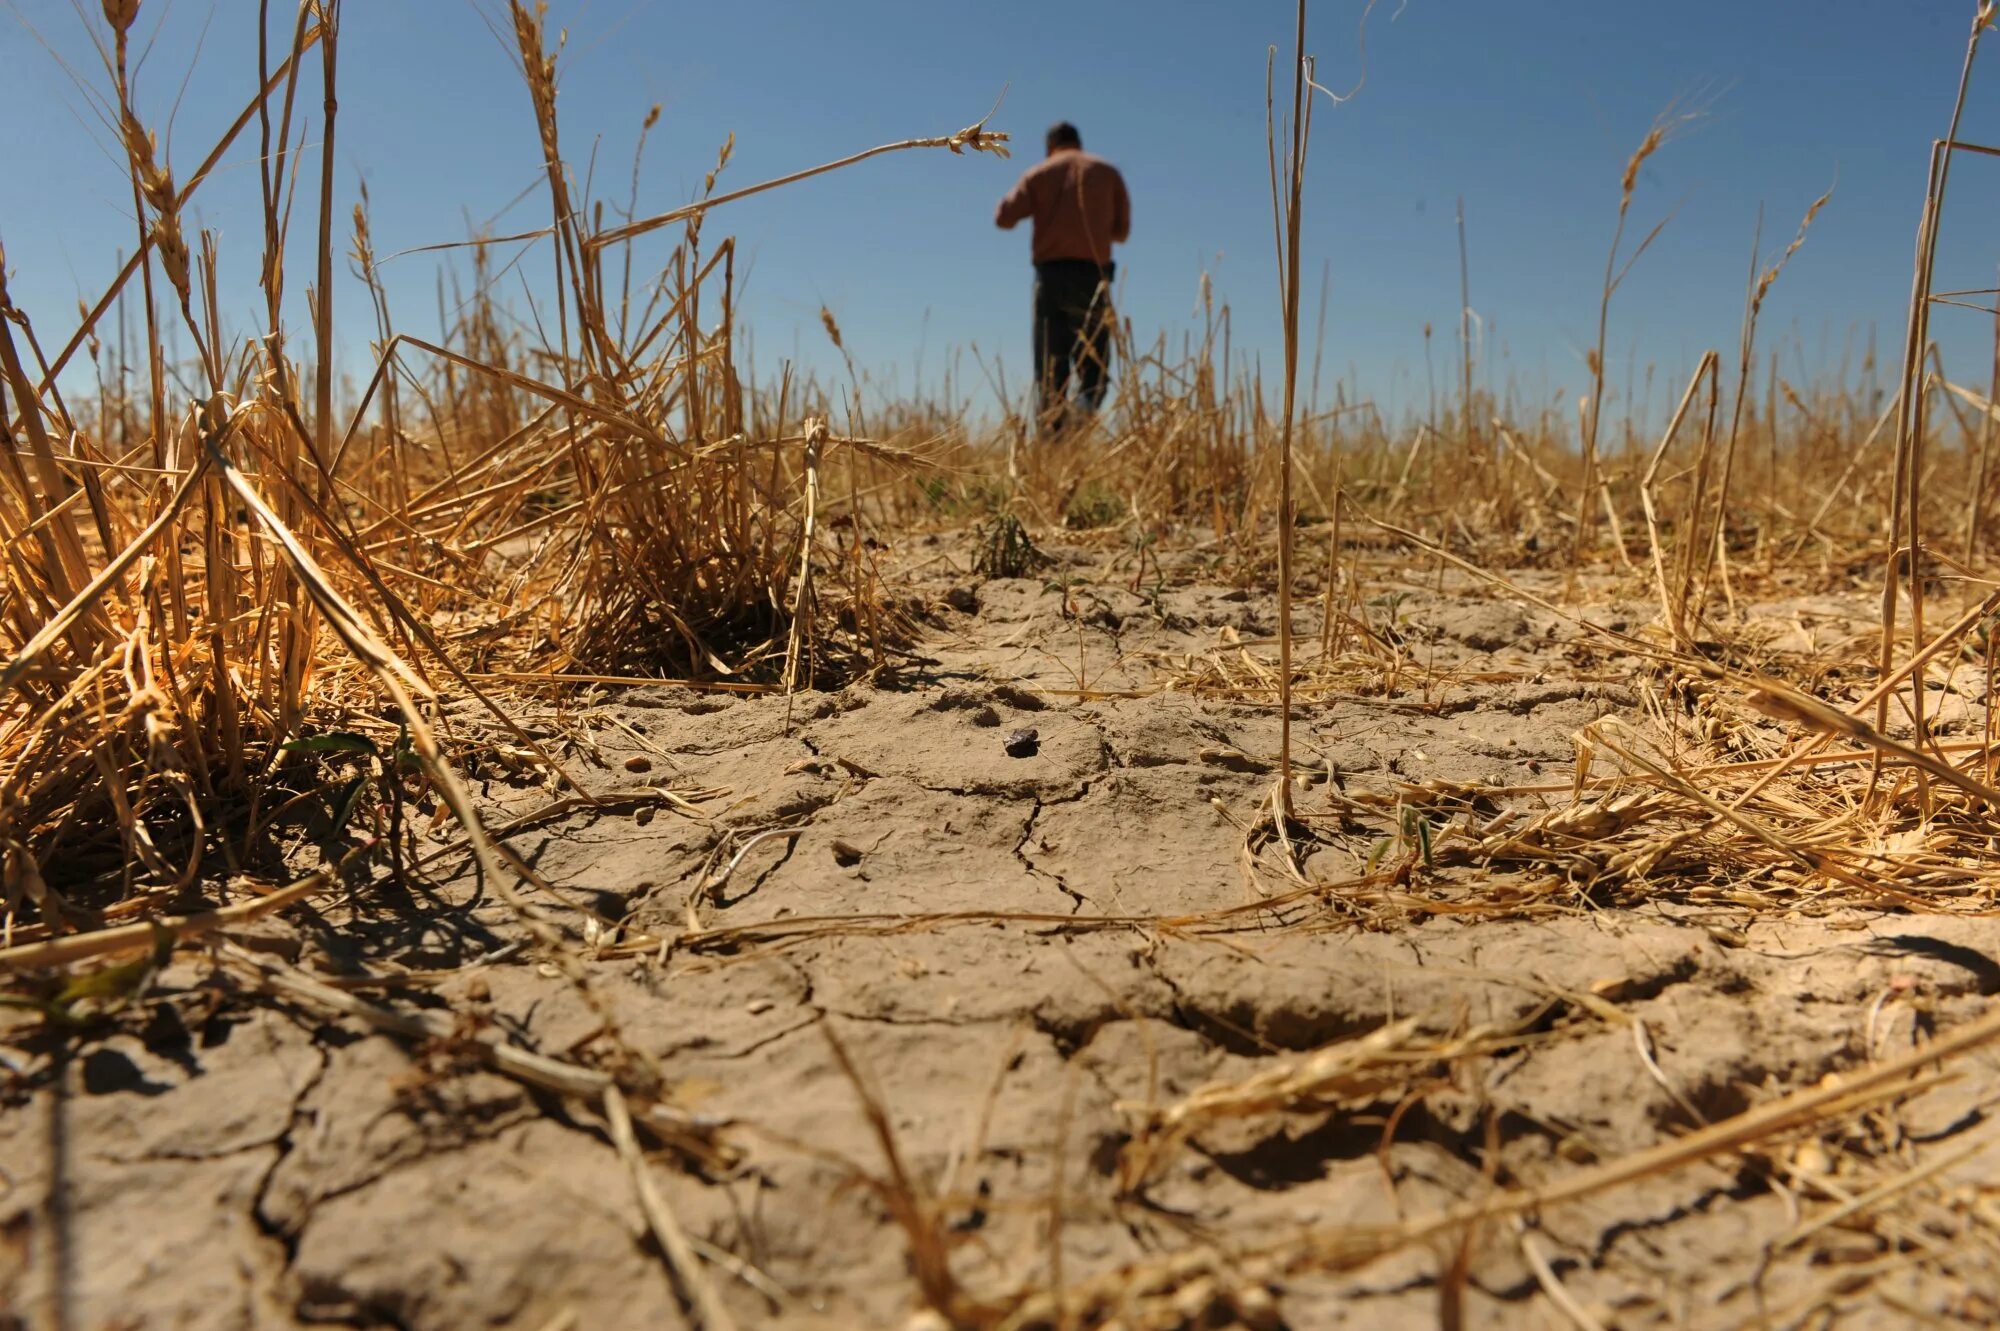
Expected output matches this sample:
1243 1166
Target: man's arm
1017 205
1121 213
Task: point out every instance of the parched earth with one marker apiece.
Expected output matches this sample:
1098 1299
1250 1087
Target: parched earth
1028 946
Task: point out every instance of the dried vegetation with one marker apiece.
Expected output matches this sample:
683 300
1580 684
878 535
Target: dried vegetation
235 625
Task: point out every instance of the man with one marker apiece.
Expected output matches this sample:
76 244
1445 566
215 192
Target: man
1079 207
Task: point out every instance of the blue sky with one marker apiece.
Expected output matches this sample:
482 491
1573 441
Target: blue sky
1527 110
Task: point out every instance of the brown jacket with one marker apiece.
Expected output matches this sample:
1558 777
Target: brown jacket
1078 203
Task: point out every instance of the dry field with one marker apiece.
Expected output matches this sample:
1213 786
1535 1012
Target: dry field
579 839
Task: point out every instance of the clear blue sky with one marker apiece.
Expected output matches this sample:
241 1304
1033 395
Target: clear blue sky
1528 110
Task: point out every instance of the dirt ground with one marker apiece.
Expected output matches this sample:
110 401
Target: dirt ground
1029 946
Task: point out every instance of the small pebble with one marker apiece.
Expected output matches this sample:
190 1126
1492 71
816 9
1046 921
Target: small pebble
1811 1158
1023 743
638 762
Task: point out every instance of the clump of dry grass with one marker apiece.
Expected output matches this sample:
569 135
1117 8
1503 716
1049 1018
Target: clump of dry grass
601 506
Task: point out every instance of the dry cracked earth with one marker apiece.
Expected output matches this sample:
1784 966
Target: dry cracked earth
1021 943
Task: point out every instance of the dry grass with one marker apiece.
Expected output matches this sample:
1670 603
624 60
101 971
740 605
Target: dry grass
193 586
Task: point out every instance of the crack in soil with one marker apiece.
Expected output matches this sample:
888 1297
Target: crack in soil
1700 1205
1077 899
764 1042
271 1229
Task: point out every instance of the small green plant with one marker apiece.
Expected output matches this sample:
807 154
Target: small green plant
360 777
1005 550
1145 553
78 999
1390 626
1092 506
1074 590
1411 844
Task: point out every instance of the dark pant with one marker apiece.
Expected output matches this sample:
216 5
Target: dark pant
1072 327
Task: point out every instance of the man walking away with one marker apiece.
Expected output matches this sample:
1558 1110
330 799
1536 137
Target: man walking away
1080 209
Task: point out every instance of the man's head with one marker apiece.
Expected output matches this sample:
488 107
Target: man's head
1063 136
